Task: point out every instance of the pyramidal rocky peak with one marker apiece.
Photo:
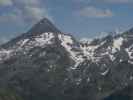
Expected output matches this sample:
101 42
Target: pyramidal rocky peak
43 26
45 63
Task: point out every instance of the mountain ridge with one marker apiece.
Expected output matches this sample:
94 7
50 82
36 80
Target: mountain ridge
53 65
44 25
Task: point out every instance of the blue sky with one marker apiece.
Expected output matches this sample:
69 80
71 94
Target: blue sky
82 18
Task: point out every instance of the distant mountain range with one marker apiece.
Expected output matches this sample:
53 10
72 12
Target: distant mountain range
47 64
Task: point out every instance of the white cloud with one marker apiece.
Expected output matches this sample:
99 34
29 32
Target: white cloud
29 11
14 16
94 12
6 2
117 1
82 0
34 13
28 2
106 1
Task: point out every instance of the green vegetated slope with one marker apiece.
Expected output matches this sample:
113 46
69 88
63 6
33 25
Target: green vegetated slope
6 94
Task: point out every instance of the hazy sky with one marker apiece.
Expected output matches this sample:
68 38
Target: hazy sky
83 18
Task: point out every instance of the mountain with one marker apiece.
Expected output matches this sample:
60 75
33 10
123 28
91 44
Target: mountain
47 64
43 26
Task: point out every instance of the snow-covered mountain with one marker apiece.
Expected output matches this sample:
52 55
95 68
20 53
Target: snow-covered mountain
45 63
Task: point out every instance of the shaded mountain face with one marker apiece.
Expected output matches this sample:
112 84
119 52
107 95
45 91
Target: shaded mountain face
124 94
43 26
45 63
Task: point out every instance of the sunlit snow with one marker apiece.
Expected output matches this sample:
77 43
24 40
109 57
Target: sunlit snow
117 43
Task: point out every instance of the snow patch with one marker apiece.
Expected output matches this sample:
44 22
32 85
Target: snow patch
130 53
89 51
105 72
86 40
5 54
88 79
117 43
23 42
68 43
131 78
44 38
131 62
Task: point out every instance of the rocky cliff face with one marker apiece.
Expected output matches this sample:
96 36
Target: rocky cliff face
45 63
